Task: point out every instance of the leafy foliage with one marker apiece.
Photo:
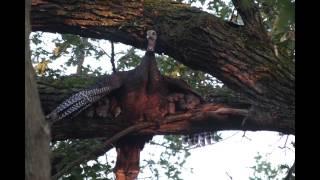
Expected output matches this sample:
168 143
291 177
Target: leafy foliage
72 47
201 82
279 19
264 170
170 161
78 48
129 60
71 150
221 9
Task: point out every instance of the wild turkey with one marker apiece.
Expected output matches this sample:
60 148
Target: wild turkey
141 94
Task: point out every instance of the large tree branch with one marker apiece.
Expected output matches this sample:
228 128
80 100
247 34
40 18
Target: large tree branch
208 117
201 41
154 128
222 115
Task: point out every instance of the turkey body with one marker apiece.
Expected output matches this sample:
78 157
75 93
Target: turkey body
142 97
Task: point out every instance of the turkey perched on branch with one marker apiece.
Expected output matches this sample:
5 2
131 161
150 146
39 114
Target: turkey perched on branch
138 95
142 90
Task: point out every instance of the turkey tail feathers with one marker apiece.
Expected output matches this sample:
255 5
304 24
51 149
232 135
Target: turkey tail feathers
77 103
199 139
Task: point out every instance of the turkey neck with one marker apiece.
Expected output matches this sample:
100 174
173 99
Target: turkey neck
151 45
151 72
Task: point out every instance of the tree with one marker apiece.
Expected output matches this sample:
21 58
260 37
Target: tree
37 132
251 65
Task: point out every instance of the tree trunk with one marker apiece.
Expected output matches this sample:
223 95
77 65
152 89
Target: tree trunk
37 164
240 56
81 56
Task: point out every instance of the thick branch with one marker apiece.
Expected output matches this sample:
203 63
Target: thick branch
205 118
238 58
198 120
202 118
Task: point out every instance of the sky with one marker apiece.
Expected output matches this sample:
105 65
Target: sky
233 156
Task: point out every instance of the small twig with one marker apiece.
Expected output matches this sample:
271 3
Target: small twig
103 51
157 144
99 150
198 146
244 136
244 121
234 17
229 175
229 136
148 177
112 57
285 144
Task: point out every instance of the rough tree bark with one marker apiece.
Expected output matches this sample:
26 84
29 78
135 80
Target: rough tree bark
237 55
87 126
37 163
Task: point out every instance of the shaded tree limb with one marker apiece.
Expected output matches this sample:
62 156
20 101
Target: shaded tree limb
234 55
208 117
88 126
229 176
